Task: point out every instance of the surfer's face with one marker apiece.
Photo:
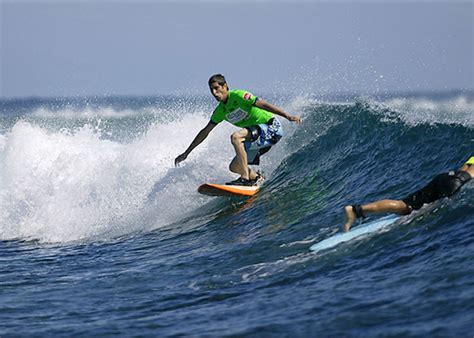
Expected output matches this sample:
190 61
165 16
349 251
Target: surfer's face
219 91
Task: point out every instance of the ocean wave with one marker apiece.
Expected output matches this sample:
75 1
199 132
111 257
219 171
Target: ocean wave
66 186
79 183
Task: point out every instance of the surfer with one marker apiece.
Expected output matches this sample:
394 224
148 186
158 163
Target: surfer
442 185
260 129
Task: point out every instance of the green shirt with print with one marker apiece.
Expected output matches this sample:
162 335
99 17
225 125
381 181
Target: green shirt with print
240 110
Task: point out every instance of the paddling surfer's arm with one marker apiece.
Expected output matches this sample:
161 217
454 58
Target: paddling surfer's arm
201 136
276 110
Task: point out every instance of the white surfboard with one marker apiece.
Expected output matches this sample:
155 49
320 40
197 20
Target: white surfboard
354 233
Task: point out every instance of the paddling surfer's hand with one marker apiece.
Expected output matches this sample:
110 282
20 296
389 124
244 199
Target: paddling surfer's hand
180 159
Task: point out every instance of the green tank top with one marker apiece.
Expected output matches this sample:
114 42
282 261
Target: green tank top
240 110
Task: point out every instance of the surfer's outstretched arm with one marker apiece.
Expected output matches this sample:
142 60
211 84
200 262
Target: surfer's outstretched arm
201 136
276 110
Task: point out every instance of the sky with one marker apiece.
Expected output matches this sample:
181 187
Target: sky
96 48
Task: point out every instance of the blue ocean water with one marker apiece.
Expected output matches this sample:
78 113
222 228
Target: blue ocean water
101 235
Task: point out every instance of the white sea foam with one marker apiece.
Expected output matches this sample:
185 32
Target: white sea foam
94 112
62 186
455 110
412 110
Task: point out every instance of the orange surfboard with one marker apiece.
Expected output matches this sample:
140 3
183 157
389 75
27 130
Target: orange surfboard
211 189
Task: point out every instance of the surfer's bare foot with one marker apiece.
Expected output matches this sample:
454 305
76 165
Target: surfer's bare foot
350 217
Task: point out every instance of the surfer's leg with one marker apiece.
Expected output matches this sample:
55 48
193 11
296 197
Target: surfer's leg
386 206
379 207
252 174
350 217
233 166
239 163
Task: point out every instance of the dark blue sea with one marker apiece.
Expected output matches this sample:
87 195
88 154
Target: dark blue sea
100 235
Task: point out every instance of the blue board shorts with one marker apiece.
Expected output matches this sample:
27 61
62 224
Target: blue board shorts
263 137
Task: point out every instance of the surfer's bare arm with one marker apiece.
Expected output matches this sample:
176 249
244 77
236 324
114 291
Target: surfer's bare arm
201 136
276 110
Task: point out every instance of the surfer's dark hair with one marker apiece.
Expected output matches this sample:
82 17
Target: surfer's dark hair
219 78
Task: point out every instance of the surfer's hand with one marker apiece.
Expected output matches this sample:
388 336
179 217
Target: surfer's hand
180 159
293 118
